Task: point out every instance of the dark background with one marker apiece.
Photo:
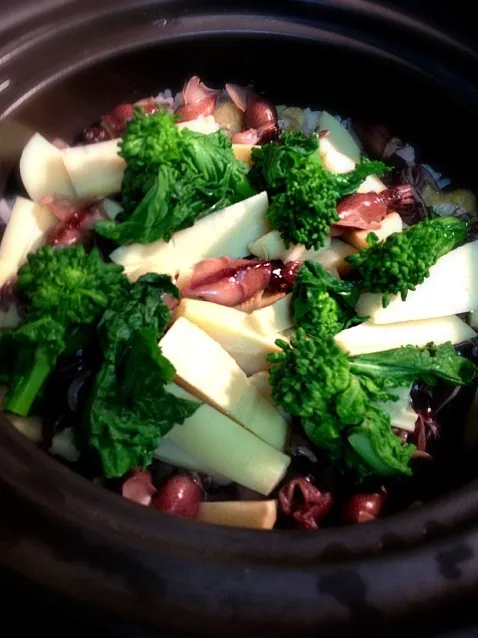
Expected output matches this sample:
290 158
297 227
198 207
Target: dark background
25 609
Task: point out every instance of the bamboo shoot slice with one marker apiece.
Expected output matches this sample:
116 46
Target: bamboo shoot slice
402 415
204 368
338 150
248 347
369 337
272 319
334 257
42 170
451 288
227 448
26 231
96 170
247 514
204 124
260 380
170 452
371 184
243 152
358 238
226 232
271 246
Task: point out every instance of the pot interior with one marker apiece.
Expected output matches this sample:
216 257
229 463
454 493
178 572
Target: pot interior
340 76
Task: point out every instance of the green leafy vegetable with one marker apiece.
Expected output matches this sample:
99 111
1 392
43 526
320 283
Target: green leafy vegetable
402 366
372 448
173 177
130 408
141 306
65 290
307 374
403 260
335 396
69 285
323 305
150 141
304 194
272 162
27 357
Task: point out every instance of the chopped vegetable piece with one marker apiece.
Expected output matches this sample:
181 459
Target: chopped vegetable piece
260 380
339 151
441 295
323 305
173 454
42 170
247 514
272 319
206 369
173 178
402 414
65 289
96 170
228 327
358 238
227 448
304 194
271 246
334 395
334 257
130 412
26 230
403 260
370 337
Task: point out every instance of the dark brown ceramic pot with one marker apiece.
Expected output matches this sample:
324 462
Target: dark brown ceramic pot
62 65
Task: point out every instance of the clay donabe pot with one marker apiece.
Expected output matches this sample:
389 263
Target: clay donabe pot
64 64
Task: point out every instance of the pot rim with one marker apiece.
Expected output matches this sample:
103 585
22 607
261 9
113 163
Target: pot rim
172 20
42 480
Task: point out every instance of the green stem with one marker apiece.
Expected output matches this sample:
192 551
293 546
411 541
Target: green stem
21 396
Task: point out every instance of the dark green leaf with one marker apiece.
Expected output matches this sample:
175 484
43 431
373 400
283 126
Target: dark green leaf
402 366
375 449
142 306
325 431
173 178
348 183
130 408
323 305
351 403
